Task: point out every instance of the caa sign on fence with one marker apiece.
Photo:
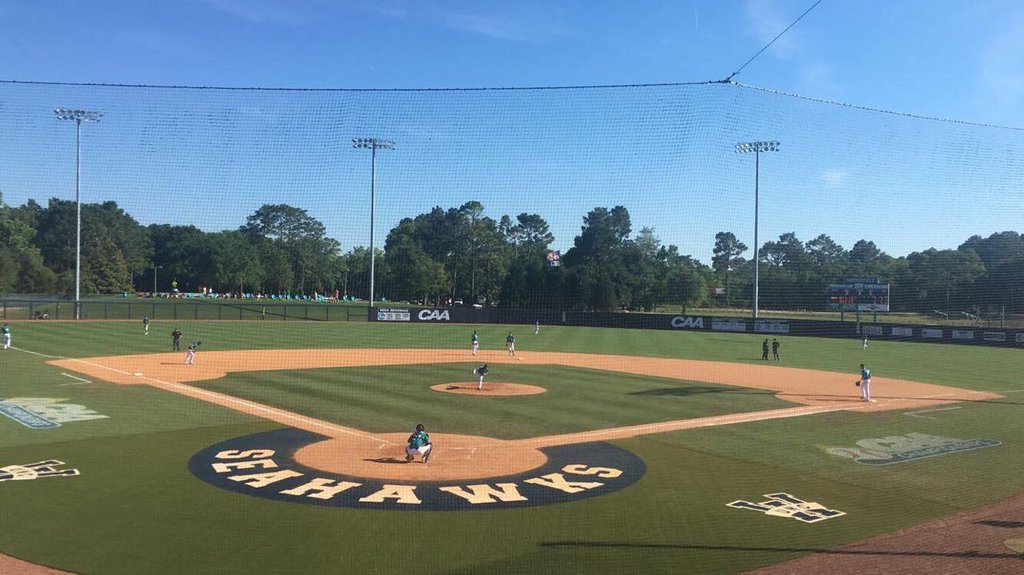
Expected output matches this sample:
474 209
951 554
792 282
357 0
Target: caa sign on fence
684 322
433 315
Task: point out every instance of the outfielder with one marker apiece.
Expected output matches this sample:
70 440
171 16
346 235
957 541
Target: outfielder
6 331
510 342
419 442
145 325
475 342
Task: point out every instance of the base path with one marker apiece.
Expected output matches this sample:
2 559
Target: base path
457 457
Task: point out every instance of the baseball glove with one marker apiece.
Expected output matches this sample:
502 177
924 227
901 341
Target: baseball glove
857 383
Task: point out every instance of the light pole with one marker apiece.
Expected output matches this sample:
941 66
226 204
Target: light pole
78 116
373 144
154 279
756 148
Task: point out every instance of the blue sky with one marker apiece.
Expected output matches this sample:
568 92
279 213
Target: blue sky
211 158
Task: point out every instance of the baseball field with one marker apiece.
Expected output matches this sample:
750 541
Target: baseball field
282 450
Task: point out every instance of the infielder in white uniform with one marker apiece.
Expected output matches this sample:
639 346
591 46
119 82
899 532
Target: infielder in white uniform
190 354
865 383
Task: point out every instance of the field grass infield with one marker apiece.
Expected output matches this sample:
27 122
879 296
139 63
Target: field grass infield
172 470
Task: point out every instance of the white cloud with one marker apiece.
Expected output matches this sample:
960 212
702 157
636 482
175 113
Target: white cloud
524 26
765 22
1001 71
834 178
281 12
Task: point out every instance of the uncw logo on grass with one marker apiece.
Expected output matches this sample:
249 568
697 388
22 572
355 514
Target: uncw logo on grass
45 412
902 448
790 507
31 471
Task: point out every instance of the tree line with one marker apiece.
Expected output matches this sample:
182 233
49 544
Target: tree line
461 253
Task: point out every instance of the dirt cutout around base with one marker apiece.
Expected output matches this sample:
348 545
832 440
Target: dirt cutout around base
364 454
490 389
969 542
14 565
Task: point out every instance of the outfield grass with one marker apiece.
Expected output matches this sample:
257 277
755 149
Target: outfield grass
137 509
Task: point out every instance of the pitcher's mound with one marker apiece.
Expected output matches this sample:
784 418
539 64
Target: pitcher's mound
497 388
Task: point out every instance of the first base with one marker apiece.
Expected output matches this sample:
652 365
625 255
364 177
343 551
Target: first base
137 374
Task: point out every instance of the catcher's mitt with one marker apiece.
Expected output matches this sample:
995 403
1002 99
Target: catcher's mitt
857 383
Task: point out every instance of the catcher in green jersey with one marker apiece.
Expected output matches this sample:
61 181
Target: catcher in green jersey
419 442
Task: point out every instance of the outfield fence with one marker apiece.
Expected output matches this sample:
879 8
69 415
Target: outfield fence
179 310
768 327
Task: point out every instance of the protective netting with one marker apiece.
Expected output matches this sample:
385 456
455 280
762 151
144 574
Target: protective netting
212 157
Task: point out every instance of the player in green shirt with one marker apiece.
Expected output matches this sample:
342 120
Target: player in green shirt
480 372
419 442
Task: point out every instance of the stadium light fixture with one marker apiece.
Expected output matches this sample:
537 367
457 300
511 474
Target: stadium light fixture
78 116
756 148
372 144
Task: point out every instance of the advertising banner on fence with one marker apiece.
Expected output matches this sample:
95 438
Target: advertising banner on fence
687 322
771 325
875 330
931 333
393 314
996 336
1020 337
963 334
903 332
728 324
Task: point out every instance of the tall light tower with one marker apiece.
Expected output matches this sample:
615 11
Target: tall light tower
756 148
78 116
372 144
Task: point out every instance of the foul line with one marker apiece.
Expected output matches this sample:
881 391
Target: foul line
75 377
40 354
678 425
916 413
272 413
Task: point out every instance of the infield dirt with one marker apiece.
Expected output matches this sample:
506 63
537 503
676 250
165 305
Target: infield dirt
359 453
